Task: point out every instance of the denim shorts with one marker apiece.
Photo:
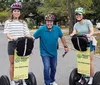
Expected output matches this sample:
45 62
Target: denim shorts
92 48
11 47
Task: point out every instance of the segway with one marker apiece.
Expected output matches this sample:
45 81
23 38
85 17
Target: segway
4 80
81 44
24 46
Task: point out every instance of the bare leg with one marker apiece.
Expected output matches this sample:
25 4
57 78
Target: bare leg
11 58
91 68
91 64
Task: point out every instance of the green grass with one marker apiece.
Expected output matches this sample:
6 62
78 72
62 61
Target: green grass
4 14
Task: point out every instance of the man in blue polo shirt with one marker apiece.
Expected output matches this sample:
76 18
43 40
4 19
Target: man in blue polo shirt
48 35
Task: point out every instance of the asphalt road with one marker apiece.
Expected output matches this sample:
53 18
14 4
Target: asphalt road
65 65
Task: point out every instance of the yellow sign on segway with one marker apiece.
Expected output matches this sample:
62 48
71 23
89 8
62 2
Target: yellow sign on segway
20 67
83 62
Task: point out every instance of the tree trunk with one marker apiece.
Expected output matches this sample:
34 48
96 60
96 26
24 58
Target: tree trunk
71 15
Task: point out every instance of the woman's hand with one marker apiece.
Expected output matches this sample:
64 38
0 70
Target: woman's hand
28 35
13 39
88 35
10 37
66 50
71 35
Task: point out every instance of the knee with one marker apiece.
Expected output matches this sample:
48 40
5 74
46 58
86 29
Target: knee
46 67
91 59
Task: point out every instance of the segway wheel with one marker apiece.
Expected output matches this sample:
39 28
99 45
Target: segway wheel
96 78
74 77
31 79
4 80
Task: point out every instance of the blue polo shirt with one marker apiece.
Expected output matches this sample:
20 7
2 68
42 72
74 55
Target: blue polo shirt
48 40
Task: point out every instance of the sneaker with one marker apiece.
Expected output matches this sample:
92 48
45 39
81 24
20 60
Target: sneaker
13 83
53 83
81 81
24 83
90 81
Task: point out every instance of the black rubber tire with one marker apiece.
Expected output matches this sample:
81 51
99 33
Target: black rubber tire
4 80
31 79
96 79
74 77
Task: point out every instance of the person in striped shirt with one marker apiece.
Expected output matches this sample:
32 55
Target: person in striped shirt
14 28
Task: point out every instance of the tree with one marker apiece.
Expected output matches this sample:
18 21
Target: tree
72 5
96 6
29 10
30 7
64 9
5 4
57 7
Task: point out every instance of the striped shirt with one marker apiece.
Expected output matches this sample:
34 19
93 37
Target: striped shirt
16 28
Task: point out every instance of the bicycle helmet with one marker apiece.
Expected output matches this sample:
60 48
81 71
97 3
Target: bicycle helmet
80 10
16 6
50 17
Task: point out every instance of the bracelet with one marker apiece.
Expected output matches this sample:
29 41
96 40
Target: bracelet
65 46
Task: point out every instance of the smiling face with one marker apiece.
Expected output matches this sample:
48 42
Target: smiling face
49 23
79 17
16 13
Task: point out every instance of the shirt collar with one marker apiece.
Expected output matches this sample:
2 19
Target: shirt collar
48 29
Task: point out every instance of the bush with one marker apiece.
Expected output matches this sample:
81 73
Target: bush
4 16
98 46
98 42
30 23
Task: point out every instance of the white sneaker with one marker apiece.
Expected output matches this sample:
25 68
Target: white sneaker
80 80
90 81
13 83
24 83
53 83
